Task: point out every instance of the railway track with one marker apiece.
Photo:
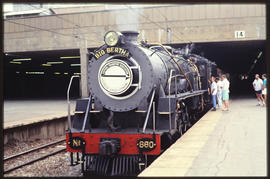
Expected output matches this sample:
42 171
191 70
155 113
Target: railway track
38 151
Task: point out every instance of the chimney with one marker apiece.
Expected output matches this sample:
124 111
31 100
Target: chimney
130 36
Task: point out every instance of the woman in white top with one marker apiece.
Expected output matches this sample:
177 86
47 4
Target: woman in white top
225 92
219 92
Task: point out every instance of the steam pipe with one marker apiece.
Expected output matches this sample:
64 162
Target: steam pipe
179 67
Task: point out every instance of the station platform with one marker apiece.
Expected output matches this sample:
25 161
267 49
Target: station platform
23 112
222 143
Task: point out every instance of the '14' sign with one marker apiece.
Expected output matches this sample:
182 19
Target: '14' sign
239 34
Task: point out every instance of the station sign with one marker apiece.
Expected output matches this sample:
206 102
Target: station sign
238 34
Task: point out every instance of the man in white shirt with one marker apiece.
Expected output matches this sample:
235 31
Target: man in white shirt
219 92
214 92
257 85
225 92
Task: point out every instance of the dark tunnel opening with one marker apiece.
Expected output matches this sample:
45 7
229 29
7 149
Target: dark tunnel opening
245 58
238 59
41 75
33 79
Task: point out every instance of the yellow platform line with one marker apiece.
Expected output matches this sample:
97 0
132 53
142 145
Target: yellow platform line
178 159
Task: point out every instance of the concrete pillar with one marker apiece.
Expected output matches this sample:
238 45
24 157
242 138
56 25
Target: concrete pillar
84 67
168 35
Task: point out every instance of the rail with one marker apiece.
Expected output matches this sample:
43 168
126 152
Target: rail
32 150
36 159
68 101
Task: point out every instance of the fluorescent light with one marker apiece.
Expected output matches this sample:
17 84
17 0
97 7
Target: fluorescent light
74 65
54 62
16 62
70 57
65 73
35 73
76 73
17 72
47 65
21 59
259 55
57 73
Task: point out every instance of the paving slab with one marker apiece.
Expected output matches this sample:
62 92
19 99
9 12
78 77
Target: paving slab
222 143
22 112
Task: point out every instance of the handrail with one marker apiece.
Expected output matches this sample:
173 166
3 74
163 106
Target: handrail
175 86
70 82
86 112
175 83
169 93
154 117
148 111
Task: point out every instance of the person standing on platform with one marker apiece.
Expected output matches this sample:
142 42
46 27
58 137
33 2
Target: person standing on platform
225 92
257 85
219 92
214 92
264 88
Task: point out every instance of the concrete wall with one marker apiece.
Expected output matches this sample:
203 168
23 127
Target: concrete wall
196 23
40 130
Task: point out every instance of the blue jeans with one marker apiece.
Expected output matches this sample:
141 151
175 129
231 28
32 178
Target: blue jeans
214 101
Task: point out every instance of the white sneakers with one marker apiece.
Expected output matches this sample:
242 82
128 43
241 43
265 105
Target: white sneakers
261 104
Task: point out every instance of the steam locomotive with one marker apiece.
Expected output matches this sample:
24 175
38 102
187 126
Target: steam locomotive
142 99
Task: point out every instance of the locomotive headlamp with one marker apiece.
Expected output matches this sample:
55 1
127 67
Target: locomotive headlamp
111 38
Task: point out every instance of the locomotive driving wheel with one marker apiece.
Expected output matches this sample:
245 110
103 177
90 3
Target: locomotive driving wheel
180 123
181 127
186 119
183 122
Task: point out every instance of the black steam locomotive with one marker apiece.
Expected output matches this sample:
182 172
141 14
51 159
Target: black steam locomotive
142 99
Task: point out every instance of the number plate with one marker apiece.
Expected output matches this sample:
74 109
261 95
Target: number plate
76 143
146 144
